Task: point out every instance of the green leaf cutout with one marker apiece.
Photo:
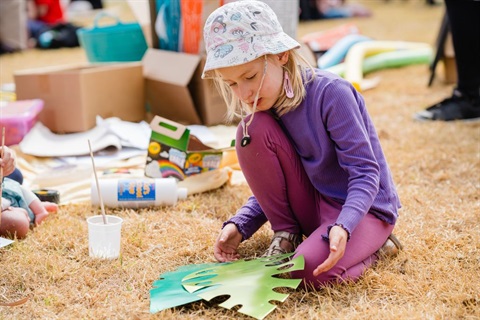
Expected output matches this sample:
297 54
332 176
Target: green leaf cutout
249 283
168 291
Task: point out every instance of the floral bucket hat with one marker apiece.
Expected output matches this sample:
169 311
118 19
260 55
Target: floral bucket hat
240 32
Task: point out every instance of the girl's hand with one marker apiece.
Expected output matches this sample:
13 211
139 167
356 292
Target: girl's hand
228 240
7 161
338 241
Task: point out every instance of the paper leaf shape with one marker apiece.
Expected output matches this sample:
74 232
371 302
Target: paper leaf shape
249 283
168 291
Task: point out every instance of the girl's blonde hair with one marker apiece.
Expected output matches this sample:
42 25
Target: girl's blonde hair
296 66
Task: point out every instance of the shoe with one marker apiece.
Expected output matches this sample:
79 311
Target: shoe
282 243
458 107
390 248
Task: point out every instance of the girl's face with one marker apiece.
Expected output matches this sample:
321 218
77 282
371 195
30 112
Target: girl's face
244 80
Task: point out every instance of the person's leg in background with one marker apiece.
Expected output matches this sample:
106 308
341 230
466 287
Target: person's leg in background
465 27
464 104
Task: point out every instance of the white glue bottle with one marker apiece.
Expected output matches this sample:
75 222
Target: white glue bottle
137 192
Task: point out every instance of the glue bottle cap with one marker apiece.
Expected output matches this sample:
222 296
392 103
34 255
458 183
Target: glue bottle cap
182 193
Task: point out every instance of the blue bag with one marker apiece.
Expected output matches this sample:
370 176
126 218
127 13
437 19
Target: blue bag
119 42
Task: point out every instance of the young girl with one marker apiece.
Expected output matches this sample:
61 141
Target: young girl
20 208
307 148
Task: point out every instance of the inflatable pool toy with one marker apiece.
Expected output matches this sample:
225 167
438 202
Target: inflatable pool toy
337 53
393 59
358 52
322 41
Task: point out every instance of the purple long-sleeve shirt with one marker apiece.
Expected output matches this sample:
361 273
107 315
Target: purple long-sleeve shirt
341 153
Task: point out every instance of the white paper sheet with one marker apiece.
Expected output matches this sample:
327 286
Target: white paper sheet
5 242
109 133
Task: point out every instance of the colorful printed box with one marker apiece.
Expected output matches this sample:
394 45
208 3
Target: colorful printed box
174 152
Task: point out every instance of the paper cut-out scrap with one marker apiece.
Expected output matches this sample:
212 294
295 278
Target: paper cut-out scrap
249 283
168 291
5 242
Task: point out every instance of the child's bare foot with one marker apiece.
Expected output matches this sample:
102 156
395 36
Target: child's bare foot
42 210
50 206
39 218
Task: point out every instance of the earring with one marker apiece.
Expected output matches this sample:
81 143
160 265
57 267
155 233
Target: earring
287 85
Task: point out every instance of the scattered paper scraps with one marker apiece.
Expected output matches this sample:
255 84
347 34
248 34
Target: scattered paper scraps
5 242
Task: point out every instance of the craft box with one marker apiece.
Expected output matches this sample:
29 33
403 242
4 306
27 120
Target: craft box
176 91
74 95
174 152
18 117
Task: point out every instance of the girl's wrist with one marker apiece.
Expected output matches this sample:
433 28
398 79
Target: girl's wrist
341 226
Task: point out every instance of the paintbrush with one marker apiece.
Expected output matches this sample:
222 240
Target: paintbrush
98 186
1 173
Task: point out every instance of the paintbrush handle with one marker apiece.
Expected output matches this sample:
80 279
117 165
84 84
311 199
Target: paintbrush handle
1 173
104 216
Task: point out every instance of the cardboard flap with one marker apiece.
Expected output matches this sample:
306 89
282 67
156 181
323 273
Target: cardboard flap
171 101
77 68
110 66
170 67
194 144
50 69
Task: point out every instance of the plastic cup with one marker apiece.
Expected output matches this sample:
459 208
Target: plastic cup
104 239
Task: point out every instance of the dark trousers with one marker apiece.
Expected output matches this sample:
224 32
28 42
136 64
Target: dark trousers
464 18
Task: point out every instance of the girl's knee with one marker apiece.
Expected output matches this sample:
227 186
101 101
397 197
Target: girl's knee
261 124
263 132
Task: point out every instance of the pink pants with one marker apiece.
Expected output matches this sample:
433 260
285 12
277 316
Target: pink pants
291 203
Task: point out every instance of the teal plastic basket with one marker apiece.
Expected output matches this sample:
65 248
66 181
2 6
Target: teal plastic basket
119 42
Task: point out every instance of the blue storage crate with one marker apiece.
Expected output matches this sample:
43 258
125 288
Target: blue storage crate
119 42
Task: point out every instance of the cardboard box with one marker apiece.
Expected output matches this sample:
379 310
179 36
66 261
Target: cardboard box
176 91
174 152
74 95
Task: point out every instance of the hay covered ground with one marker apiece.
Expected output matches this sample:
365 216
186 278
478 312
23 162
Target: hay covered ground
436 167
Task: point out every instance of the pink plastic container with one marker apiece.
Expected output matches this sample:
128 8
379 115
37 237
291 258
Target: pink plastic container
18 117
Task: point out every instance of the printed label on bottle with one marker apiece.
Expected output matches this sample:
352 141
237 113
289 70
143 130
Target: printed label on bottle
135 190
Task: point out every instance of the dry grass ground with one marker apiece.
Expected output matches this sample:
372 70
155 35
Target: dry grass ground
435 165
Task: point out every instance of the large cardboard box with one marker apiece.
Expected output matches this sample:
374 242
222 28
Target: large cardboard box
74 95
173 152
176 91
